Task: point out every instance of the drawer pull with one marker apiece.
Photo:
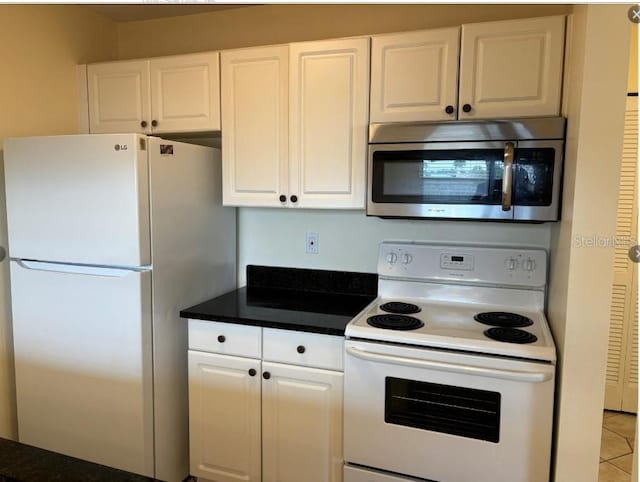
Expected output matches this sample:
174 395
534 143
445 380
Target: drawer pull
301 349
252 372
266 375
222 338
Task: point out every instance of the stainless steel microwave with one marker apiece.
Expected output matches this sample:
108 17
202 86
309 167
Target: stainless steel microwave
501 170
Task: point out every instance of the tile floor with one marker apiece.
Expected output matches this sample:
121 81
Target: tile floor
616 449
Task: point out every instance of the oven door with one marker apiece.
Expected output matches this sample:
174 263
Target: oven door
447 416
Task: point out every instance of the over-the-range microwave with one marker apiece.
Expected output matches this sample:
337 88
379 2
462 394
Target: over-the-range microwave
500 170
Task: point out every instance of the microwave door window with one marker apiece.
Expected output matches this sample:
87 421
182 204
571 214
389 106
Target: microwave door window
533 179
438 177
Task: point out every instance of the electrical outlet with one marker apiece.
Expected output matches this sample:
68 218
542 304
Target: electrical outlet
313 243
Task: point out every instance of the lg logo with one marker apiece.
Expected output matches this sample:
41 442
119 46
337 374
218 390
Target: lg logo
120 147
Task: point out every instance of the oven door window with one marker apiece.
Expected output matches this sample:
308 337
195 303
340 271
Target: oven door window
464 176
533 176
466 412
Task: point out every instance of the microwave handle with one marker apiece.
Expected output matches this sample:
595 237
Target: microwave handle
507 176
515 375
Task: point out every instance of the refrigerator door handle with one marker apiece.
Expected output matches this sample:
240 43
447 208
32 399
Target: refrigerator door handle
78 269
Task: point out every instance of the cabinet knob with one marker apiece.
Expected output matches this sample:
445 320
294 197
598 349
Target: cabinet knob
252 372
143 124
466 108
222 338
449 109
154 123
301 349
266 375
294 199
283 198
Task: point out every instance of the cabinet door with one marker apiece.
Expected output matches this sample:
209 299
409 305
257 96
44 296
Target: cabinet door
512 68
255 87
224 417
414 76
302 424
329 95
185 93
119 97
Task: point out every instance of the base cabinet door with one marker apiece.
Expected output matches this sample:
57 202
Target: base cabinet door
301 424
224 417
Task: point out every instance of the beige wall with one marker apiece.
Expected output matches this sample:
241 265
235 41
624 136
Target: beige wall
40 46
349 240
274 24
581 276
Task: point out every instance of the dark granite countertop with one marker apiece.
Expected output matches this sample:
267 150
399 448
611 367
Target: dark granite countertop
316 301
24 463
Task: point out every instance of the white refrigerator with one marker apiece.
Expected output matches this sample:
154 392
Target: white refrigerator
109 237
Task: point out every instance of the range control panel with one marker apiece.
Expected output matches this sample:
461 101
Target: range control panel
469 264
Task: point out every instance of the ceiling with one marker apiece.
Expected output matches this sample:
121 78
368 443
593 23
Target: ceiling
132 12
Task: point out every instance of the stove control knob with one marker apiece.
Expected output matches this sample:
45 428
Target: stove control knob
406 258
530 265
512 264
392 258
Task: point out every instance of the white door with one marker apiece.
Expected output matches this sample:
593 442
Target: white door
621 389
185 93
255 102
301 424
414 76
82 340
78 199
119 99
224 417
328 123
511 68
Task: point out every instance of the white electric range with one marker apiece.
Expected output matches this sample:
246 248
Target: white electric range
449 373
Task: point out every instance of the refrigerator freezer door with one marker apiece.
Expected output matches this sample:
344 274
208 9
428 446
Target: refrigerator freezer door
82 343
78 199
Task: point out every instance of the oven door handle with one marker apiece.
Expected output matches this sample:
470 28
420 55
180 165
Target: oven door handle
515 375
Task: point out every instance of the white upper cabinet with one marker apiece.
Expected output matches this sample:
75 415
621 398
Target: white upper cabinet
294 124
119 97
505 69
168 94
185 93
414 75
328 123
255 141
512 68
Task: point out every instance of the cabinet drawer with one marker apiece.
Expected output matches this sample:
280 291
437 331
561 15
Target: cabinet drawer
320 351
225 338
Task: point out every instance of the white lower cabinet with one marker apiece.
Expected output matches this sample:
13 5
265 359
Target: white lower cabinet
224 417
301 424
253 420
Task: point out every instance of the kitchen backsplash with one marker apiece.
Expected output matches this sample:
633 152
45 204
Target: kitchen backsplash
348 240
